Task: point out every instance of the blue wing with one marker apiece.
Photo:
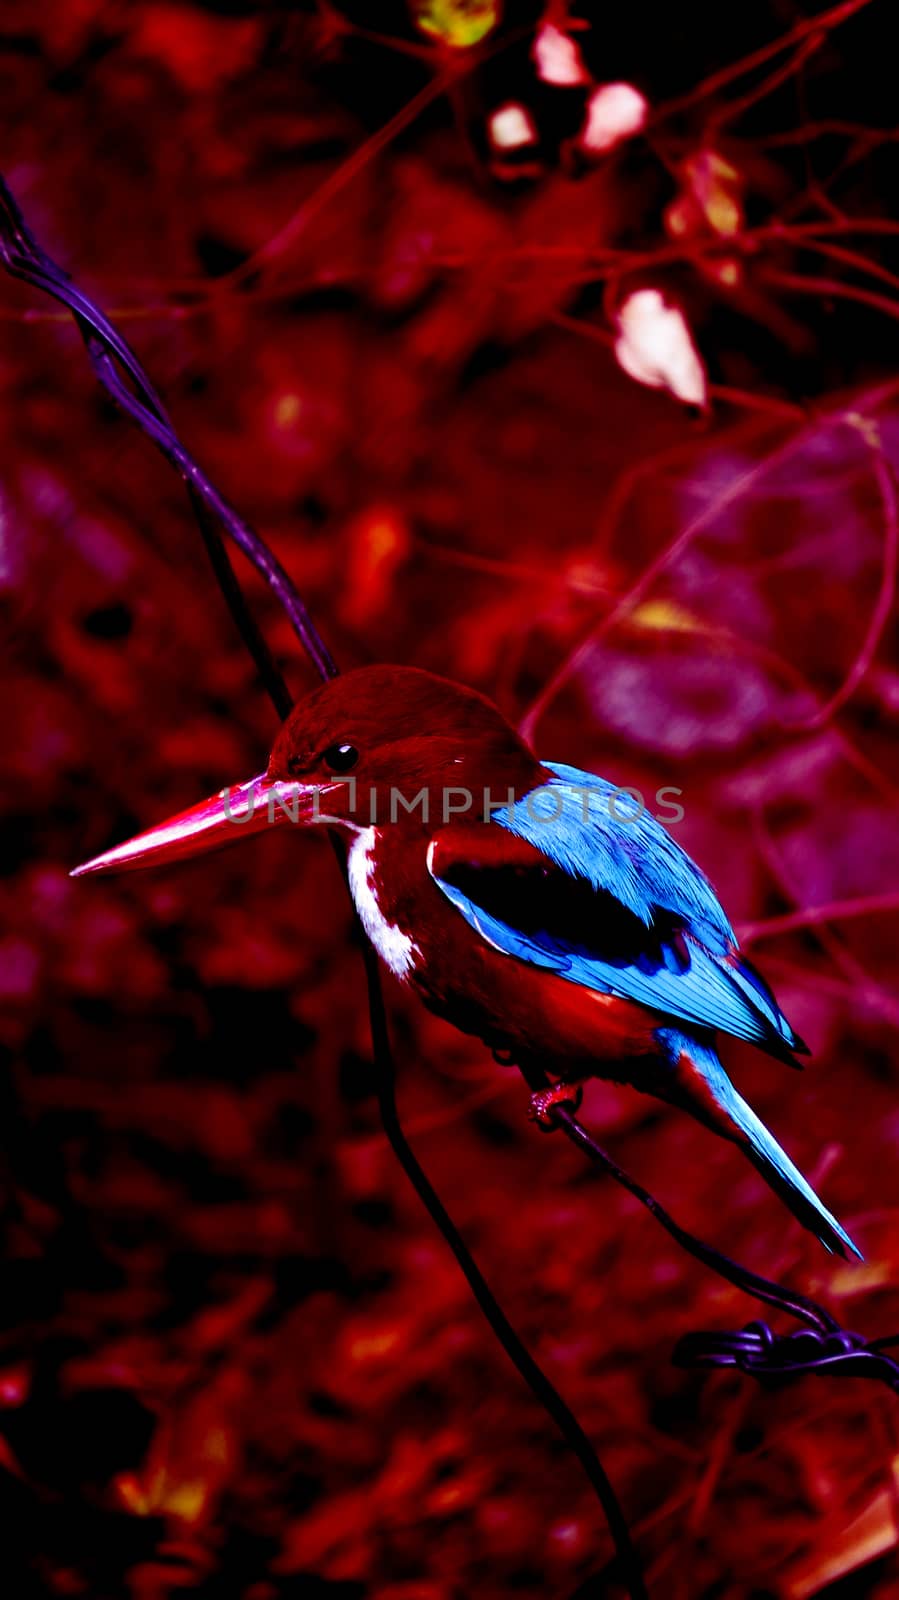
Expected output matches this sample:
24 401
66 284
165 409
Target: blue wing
626 912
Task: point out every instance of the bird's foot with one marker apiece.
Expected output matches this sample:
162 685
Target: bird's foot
541 1104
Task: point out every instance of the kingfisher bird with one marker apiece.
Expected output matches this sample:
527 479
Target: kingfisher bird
531 904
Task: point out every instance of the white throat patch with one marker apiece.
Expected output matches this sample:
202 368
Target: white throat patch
396 949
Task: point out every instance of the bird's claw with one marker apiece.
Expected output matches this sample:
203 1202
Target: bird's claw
541 1104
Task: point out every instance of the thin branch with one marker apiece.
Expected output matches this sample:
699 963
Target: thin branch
813 916
822 23
772 1294
332 185
788 69
794 283
23 259
883 604
851 258
632 596
514 1347
820 1346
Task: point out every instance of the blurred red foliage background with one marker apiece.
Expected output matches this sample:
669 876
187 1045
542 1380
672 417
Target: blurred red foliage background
236 1358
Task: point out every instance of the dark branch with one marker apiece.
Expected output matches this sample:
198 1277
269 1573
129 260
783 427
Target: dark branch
820 1346
773 1294
110 357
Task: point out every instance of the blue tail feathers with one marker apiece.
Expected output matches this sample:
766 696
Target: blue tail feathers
700 1085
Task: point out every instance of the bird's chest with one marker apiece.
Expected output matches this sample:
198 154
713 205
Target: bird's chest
461 976
383 911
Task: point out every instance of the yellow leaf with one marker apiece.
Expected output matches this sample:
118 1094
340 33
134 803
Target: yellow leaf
664 614
458 23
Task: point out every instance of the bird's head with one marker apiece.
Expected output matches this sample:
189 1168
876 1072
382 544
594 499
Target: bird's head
360 750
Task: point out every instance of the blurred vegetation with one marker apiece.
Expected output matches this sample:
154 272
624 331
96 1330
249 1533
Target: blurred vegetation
236 1360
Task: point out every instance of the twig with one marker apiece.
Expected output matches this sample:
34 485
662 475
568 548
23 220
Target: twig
823 288
812 916
516 1350
823 22
628 601
24 259
773 1294
821 1345
883 604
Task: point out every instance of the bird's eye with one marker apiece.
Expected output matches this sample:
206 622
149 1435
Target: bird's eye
341 757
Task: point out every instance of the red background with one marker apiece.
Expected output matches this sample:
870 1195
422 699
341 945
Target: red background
237 1360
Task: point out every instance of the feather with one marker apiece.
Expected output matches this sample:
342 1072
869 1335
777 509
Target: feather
698 1082
611 902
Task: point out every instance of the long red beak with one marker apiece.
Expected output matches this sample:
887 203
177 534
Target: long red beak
233 814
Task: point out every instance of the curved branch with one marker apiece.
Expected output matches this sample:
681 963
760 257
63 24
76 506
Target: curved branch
883 604
109 352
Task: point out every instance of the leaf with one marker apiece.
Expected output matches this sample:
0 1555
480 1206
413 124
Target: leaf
458 23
